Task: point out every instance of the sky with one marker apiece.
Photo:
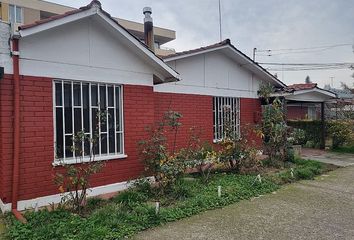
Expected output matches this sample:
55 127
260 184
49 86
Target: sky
261 24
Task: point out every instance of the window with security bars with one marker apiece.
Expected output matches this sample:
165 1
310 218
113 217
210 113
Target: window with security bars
77 107
226 114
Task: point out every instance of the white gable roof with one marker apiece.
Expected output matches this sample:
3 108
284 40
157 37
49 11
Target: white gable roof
232 52
162 72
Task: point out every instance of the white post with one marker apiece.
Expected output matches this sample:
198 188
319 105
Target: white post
157 208
219 191
259 178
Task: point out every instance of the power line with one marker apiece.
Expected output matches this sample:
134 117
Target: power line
307 66
275 52
295 49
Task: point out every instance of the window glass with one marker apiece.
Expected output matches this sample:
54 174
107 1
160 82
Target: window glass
12 14
19 18
226 111
77 108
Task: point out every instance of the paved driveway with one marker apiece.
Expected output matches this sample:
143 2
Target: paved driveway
320 209
339 159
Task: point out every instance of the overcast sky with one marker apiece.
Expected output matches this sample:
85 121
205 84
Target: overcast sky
264 24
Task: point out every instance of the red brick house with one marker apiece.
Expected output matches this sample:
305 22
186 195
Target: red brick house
64 69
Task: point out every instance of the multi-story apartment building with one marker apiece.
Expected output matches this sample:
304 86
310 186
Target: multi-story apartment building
21 12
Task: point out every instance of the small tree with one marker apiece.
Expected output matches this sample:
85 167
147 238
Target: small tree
74 181
274 129
154 151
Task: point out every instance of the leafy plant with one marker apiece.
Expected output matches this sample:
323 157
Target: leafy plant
199 156
237 151
74 179
341 132
275 132
166 167
297 136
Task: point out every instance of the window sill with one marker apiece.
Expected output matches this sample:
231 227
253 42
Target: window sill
86 159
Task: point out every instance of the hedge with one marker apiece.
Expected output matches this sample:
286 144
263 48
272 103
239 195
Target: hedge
312 128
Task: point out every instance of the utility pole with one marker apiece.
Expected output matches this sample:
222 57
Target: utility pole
254 54
332 81
220 19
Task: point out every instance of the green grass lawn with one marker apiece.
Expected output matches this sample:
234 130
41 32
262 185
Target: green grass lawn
133 211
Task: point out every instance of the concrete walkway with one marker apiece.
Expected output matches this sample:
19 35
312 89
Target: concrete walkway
338 159
320 209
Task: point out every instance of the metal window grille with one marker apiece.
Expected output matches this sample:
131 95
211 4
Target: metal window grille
76 108
226 113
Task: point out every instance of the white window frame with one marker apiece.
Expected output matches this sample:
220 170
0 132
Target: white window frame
100 156
15 7
218 114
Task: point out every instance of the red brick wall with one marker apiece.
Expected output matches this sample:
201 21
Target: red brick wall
297 112
197 111
36 153
142 107
251 115
6 139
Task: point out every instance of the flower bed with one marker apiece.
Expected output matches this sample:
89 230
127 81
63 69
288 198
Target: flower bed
134 210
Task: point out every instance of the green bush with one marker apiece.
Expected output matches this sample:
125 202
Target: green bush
341 132
313 130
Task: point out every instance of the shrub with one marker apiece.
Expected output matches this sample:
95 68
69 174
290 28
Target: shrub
341 132
74 179
237 152
297 136
164 165
275 132
313 131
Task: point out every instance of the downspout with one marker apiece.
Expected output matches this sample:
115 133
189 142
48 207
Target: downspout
16 136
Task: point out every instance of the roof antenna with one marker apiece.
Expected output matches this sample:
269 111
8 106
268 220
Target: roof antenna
220 19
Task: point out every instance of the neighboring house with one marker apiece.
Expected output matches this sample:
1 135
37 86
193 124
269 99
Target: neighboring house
343 107
304 100
61 71
21 12
212 78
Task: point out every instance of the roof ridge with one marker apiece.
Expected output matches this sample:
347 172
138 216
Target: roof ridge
207 47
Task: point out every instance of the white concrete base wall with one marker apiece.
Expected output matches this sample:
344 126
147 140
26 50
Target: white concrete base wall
47 200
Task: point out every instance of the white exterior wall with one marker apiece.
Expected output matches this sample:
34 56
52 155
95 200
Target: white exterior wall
214 74
5 57
88 49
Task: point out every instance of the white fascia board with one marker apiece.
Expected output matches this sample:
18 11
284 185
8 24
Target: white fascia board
58 22
169 59
316 90
137 44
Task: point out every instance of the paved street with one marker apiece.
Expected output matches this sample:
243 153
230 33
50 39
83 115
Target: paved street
320 209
